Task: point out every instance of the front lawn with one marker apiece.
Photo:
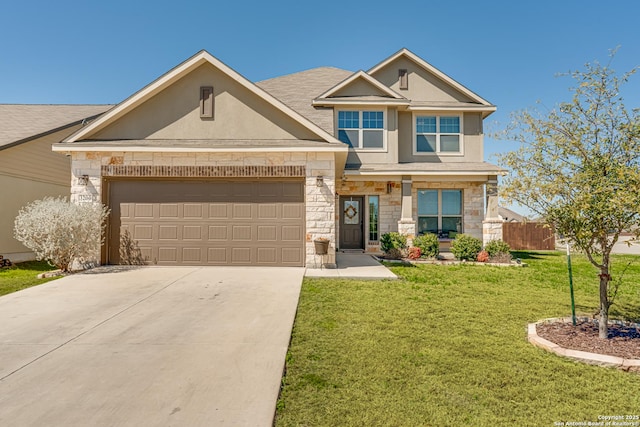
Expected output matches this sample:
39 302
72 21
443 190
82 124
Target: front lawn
23 275
446 346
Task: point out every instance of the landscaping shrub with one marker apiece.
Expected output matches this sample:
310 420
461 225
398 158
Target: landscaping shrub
483 256
428 244
61 232
393 244
466 247
496 247
414 253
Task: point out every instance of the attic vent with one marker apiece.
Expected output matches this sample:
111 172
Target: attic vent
206 102
403 79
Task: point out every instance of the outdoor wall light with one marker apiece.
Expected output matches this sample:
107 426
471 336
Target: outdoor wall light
83 180
389 187
319 181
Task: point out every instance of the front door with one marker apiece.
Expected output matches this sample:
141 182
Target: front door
351 222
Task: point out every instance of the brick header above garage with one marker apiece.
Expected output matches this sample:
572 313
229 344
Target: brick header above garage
282 171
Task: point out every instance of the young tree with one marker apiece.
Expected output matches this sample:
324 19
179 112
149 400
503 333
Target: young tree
61 232
578 167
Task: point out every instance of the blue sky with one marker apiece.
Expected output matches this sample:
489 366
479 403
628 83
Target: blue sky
506 51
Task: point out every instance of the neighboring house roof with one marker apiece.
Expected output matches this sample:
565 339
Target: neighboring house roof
21 123
509 215
177 73
298 89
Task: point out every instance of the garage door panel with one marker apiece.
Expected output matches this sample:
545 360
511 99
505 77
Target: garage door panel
212 222
192 232
268 211
217 256
291 233
267 233
218 211
240 255
143 232
192 255
241 211
292 211
168 232
291 256
267 255
241 232
167 254
218 232
143 210
192 210
169 210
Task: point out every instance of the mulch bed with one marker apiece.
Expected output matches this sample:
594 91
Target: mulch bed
624 341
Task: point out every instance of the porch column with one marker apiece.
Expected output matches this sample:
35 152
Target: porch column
407 225
492 224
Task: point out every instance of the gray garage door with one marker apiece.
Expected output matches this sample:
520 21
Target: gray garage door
169 222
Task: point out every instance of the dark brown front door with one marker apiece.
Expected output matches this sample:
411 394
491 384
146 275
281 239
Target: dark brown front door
351 222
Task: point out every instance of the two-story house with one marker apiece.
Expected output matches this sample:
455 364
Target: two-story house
205 167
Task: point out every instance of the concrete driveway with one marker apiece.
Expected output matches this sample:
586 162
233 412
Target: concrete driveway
152 346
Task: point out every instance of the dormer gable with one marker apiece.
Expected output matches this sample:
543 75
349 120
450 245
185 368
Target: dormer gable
362 89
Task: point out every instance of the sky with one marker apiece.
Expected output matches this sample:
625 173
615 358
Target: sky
507 51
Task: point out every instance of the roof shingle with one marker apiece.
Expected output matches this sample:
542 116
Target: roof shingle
19 122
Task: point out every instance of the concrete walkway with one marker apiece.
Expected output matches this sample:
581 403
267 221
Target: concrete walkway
152 346
353 266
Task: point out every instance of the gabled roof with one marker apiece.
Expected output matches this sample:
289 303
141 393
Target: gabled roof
431 69
21 123
298 89
177 73
386 94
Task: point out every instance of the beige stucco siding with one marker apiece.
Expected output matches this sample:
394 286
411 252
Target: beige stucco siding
174 114
35 160
14 194
423 86
359 87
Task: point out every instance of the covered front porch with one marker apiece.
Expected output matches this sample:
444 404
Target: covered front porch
370 205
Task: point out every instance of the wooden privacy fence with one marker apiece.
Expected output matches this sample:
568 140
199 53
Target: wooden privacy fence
528 236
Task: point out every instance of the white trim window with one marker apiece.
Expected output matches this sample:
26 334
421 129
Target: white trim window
437 135
362 129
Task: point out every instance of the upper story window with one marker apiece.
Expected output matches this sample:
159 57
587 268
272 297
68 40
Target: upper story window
362 129
438 134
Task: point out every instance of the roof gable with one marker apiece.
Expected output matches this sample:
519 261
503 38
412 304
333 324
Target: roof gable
386 71
154 112
359 88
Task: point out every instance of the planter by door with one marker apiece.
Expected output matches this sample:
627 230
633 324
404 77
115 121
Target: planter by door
322 247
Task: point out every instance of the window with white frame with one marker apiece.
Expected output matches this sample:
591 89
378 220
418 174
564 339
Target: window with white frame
438 134
361 129
440 212
374 216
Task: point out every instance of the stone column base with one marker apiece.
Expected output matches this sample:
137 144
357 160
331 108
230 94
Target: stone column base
491 230
407 227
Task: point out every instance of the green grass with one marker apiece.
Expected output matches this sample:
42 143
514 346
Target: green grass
446 346
23 275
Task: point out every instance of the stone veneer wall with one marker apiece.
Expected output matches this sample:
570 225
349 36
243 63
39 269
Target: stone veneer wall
320 201
390 205
472 203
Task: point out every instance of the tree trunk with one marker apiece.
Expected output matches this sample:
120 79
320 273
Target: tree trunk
603 327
